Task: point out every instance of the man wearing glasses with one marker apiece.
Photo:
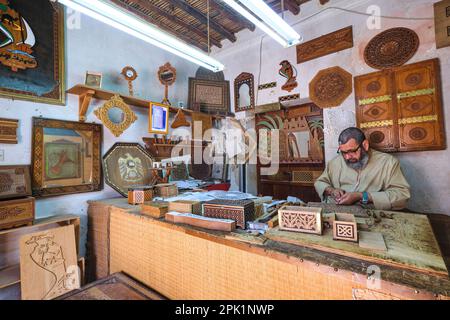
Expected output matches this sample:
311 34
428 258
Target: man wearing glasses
363 175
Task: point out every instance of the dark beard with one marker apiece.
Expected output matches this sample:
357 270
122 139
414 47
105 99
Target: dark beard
361 163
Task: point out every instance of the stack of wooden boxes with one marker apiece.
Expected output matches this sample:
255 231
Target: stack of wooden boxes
16 205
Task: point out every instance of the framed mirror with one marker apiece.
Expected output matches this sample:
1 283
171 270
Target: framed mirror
66 157
116 115
244 96
167 76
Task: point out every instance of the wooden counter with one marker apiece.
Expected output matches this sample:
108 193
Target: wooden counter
183 262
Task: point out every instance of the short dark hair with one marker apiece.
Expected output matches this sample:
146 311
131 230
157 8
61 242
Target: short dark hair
352 133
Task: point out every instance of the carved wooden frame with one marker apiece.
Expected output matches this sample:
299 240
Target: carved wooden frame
8 130
222 108
244 78
38 166
102 114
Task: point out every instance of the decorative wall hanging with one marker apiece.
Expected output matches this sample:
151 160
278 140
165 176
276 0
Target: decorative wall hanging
401 109
93 79
32 51
180 120
330 87
158 118
326 44
66 157
126 165
244 94
211 96
16 212
116 115
289 72
48 263
289 100
391 48
267 85
167 76
442 23
15 182
130 75
8 130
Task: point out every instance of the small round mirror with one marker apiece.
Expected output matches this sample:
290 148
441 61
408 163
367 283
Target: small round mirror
116 115
166 76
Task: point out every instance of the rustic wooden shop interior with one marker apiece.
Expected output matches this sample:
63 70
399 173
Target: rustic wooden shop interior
136 166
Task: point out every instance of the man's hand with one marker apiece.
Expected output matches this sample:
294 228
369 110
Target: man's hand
349 198
334 193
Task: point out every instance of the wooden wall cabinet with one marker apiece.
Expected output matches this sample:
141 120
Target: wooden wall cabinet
400 109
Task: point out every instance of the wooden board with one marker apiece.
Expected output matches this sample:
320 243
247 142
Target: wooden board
48 263
409 240
326 44
15 182
371 240
8 130
117 286
202 222
442 23
16 212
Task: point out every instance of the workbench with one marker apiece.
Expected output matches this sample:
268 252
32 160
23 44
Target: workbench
185 262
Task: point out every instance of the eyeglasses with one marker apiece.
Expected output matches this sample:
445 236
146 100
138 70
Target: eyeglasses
349 151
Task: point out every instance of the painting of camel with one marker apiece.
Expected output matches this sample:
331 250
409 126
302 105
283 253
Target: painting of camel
48 263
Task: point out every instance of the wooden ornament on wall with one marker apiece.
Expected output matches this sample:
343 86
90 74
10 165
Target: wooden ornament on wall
391 48
244 100
289 72
8 130
401 109
442 23
330 87
326 44
180 120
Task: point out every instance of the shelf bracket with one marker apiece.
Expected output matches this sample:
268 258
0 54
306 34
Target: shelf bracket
84 100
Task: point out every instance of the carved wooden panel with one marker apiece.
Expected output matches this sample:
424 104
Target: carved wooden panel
442 23
8 130
326 44
405 113
345 227
15 182
391 48
300 219
330 87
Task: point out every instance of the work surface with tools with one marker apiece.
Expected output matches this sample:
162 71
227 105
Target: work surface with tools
411 267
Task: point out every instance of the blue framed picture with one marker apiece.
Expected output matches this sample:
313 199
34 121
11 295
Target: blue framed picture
158 119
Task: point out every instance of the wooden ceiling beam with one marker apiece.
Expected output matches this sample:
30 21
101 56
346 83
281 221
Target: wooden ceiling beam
220 6
162 26
200 16
292 6
174 19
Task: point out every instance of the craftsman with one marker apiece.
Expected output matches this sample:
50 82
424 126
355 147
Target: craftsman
360 175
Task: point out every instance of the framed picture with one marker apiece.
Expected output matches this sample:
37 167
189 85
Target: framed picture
66 157
93 79
126 165
158 118
32 51
209 96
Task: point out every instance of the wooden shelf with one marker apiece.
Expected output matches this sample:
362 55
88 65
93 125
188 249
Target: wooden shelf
67 218
9 276
285 182
86 93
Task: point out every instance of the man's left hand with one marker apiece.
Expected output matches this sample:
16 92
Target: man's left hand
349 198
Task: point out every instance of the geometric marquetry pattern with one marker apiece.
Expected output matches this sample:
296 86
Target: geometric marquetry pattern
240 211
345 231
299 221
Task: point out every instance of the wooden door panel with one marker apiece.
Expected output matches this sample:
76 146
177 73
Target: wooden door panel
417 76
373 85
417 106
417 136
381 138
376 112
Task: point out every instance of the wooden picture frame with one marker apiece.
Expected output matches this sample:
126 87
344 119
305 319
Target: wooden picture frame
158 118
93 79
15 181
211 96
127 165
28 71
124 119
8 130
66 157
240 95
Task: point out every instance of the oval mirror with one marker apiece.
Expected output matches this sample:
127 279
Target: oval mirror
116 115
244 95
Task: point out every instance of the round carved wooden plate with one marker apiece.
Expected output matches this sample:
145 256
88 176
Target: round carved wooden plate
391 48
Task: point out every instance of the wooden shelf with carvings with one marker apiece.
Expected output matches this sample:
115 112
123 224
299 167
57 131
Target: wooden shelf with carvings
86 93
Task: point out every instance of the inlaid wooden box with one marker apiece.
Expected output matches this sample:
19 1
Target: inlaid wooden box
17 212
186 206
138 195
15 182
166 190
155 209
300 219
345 227
240 211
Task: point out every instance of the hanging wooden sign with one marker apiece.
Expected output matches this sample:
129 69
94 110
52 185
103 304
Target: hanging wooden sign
325 45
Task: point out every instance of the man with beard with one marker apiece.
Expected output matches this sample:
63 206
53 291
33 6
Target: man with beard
363 175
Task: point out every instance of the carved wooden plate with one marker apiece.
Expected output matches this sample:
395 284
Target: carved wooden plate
391 48
330 87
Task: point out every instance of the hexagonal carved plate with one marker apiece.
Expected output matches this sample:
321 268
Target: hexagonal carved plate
330 87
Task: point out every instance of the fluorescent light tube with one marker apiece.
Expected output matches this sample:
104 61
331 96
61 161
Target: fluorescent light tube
124 21
272 23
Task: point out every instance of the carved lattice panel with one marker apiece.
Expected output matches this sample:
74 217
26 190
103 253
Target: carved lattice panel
300 219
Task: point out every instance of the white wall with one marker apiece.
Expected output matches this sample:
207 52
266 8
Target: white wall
428 172
97 47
